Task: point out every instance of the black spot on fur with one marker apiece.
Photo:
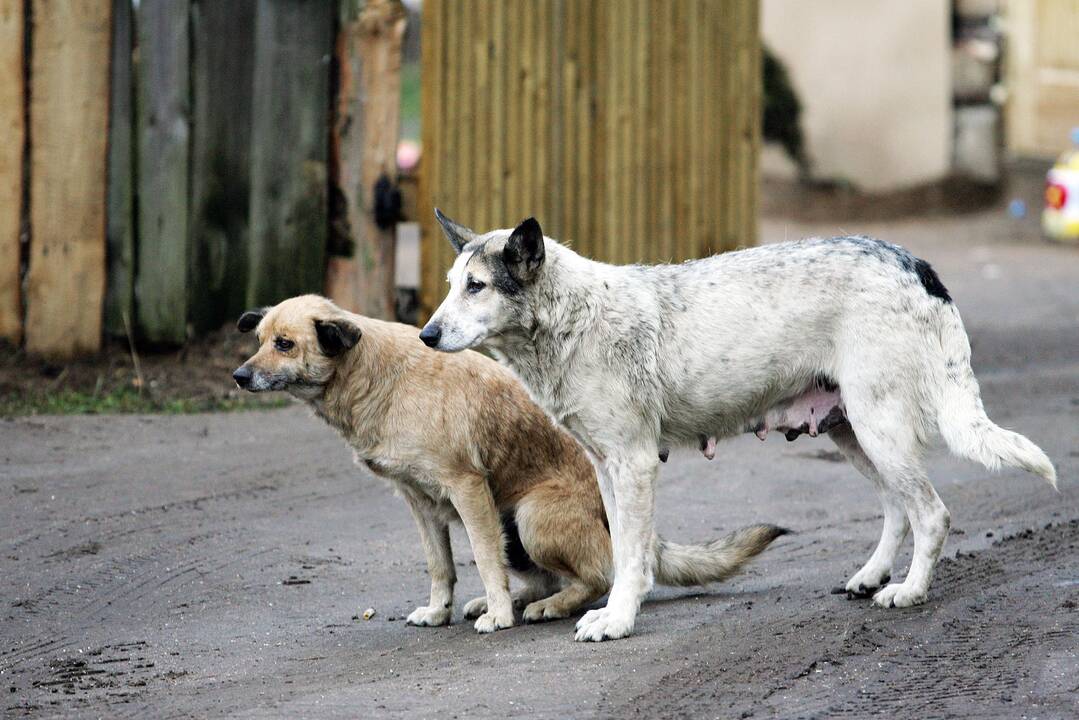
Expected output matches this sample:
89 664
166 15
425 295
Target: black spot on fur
833 419
887 252
931 281
515 550
825 383
501 278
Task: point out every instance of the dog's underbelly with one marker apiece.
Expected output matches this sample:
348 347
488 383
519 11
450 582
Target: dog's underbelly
813 412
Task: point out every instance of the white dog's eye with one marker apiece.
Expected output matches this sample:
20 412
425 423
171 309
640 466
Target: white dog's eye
474 286
283 344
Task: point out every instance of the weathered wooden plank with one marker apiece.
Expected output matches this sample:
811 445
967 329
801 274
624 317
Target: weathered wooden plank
13 130
120 222
289 148
222 64
69 94
365 141
163 126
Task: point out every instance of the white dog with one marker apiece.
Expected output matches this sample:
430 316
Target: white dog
850 336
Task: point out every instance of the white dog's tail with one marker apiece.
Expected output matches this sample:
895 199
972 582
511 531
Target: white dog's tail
684 565
966 428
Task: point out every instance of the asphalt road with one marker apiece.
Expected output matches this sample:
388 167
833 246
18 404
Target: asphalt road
219 565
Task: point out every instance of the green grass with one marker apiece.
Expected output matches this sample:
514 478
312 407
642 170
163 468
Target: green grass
410 101
124 400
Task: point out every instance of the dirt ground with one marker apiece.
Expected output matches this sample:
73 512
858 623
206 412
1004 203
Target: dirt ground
218 565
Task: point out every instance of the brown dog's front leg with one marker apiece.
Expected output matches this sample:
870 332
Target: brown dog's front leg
472 499
435 535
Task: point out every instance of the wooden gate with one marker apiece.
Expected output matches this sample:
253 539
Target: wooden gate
629 128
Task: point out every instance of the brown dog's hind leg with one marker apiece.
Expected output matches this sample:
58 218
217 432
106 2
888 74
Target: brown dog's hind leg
564 602
539 583
568 538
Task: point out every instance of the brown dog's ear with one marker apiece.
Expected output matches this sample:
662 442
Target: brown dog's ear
336 336
524 251
250 320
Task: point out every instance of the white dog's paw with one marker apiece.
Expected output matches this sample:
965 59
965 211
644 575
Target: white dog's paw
543 610
899 595
476 607
429 616
604 624
868 581
490 621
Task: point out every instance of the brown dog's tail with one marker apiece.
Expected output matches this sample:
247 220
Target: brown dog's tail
683 565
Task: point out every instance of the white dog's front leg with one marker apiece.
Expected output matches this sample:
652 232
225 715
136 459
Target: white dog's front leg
632 480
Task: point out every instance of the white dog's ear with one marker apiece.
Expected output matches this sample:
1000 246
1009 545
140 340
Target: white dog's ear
250 320
336 336
457 234
524 251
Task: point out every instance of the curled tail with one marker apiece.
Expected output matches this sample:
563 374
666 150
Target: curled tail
700 564
961 418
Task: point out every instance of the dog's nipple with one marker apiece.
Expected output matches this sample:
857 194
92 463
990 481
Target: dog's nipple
708 446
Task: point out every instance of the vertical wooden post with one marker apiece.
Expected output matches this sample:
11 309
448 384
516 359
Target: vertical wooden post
223 43
120 226
289 148
163 122
69 98
12 106
364 146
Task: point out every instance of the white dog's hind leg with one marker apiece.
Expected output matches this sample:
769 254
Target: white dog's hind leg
633 479
878 569
887 434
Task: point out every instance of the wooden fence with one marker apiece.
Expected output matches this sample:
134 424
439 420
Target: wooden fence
629 128
168 163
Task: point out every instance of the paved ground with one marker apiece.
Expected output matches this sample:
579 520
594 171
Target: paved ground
216 565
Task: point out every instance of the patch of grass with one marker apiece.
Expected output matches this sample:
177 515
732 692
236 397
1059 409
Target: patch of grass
125 400
410 101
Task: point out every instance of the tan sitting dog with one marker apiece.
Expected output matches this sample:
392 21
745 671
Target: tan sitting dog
460 439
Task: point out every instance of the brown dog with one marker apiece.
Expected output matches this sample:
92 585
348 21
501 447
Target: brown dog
460 439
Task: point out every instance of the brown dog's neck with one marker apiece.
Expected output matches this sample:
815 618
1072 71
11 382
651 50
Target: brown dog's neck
361 391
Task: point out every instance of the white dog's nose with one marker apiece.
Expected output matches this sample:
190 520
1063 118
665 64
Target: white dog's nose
430 335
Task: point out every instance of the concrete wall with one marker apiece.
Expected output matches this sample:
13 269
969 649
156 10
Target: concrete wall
874 77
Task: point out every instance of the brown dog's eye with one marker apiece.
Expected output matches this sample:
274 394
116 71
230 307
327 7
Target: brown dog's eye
283 344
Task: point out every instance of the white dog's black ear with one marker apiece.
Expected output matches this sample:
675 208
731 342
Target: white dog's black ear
336 336
457 234
524 251
250 320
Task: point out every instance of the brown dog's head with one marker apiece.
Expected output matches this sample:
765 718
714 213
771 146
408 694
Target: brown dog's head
301 340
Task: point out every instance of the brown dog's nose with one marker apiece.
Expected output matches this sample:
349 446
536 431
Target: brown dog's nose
243 376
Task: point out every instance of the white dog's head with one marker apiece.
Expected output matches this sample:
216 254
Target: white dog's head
488 282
